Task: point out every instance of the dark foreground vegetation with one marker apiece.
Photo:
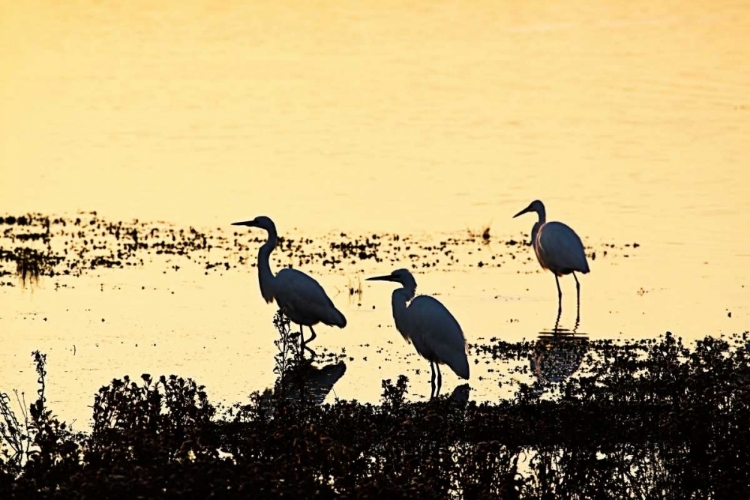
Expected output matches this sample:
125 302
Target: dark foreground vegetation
642 420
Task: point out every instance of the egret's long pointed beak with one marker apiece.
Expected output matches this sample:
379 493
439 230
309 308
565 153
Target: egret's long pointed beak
525 210
387 277
249 223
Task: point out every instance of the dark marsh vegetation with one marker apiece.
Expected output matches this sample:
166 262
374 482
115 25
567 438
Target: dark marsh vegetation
649 419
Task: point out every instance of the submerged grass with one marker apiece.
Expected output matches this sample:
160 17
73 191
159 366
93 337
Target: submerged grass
645 420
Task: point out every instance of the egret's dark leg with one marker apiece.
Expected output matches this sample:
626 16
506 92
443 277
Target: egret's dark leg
304 343
439 379
557 321
432 380
578 293
311 337
559 296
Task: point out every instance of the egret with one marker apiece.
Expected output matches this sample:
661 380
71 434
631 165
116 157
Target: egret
298 295
558 249
426 323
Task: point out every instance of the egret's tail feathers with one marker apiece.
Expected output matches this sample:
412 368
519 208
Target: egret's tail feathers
341 322
335 318
460 366
585 267
463 370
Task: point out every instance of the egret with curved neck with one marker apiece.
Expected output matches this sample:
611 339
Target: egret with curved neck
426 323
299 296
558 249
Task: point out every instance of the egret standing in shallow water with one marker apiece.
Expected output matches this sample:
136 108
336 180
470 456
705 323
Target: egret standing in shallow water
557 248
298 295
426 323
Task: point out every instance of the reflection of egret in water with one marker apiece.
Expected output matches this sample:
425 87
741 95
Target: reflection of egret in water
307 381
558 330
461 393
557 357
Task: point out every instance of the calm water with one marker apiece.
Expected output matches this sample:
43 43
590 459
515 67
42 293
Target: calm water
629 119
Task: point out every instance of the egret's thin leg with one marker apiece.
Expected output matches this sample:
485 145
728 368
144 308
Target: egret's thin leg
559 296
578 293
304 343
432 380
557 321
440 380
312 337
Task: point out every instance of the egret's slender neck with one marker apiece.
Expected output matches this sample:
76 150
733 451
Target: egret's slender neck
542 215
408 288
534 232
542 220
399 301
265 276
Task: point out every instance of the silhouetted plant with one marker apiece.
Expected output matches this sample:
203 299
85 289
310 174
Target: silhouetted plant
15 433
155 422
45 450
289 357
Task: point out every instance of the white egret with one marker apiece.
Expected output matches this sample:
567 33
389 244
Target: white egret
558 249
426 323
298 295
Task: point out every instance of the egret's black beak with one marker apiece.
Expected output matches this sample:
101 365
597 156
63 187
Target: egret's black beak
525 210
249 223
381 278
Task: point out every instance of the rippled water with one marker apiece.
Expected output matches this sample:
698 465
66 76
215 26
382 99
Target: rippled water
630 120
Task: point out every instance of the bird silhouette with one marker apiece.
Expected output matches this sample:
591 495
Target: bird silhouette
299 296
427 324
558 249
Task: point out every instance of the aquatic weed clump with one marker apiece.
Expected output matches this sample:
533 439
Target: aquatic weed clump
31 264
29 248
646 419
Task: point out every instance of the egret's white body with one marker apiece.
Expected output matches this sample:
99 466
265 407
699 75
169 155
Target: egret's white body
298 295
558 248
427 324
